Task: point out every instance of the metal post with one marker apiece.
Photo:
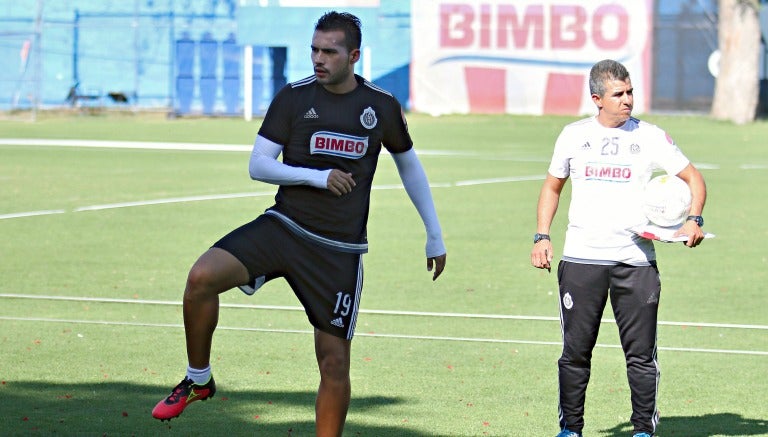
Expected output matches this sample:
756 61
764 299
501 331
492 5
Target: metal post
172 63
75 46
136 53
38 63
248 82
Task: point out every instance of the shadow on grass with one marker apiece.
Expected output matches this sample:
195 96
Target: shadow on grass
717 424
118 408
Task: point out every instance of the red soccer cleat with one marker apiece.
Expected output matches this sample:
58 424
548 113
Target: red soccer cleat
182 395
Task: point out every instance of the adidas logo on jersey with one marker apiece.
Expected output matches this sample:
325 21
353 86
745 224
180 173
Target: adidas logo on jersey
311 114
337 322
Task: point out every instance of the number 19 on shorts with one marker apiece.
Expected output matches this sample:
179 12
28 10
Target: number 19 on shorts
343 303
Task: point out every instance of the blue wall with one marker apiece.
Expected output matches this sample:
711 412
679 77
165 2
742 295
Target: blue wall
182 54
105 45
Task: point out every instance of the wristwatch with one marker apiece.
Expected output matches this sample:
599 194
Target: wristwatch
697 218
538 237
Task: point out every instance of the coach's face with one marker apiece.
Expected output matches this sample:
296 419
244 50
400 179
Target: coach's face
615 105
333 63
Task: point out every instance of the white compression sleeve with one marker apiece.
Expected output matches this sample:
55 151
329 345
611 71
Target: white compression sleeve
417 186
264 166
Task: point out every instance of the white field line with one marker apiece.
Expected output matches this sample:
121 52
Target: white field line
31 213
499 180
231 148
373 335
172 200
126 145
206 197
213 147
365 311
209 147
155 145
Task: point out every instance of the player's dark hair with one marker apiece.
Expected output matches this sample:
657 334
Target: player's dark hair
607 69
343 21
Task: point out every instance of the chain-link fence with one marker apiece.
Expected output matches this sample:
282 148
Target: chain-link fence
117 54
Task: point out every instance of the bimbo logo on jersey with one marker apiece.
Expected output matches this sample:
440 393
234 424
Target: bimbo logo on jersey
611 173
331 143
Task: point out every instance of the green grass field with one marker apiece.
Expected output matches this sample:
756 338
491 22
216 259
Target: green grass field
97 241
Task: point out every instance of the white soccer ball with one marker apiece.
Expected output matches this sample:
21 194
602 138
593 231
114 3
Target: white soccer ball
667 200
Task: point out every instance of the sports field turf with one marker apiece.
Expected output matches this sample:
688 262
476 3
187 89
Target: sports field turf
97 241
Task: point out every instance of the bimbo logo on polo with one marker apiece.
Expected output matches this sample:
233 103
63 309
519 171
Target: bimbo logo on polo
608 172
331 143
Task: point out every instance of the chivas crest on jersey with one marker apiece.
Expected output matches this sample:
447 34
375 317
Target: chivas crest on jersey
368 118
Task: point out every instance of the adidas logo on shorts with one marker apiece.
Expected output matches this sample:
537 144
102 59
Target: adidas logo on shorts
337 322
311 114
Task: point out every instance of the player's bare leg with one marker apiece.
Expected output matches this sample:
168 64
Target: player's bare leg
333 355
215 272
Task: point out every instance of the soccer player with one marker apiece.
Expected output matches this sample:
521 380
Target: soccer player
330 129
609 158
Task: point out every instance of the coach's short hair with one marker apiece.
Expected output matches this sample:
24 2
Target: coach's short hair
343 21
607 69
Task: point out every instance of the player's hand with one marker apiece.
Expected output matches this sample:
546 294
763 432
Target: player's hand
340 183
541 255
438 263
693 231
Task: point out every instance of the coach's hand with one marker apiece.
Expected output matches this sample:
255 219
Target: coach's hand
438 263
693 231
340 183
541 255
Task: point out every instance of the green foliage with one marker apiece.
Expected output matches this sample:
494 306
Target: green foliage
97 364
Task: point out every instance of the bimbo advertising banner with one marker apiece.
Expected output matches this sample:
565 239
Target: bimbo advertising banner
524 57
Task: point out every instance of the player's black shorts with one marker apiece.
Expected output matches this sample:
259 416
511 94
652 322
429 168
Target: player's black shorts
327 282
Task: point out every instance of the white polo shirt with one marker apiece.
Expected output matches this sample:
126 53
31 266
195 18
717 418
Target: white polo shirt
609 168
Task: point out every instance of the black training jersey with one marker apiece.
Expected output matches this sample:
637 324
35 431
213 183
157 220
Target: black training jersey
322 130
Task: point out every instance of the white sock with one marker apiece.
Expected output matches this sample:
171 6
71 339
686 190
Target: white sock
199 376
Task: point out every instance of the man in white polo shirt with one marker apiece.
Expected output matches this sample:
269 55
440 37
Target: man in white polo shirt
609 159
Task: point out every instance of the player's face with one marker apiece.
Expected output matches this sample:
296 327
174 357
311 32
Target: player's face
333 63
616 104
